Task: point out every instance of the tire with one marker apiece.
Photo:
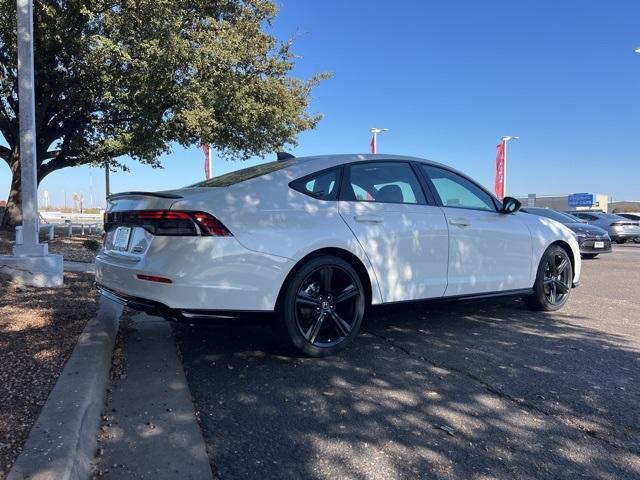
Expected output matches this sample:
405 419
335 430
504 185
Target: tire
636 240
589 255
553 281
322 307
621 241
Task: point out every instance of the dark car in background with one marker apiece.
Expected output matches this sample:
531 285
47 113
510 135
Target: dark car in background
620 229
592 240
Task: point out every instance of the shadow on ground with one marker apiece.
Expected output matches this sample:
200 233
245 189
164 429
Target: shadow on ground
467 390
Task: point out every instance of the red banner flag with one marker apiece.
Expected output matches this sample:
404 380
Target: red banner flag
499 183
207 154
373 144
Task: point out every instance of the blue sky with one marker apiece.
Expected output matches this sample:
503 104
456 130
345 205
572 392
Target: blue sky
449 79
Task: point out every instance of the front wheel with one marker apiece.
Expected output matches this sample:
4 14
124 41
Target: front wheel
322 307
553 281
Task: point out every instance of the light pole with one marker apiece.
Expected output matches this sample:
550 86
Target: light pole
374 139
505 139
30 264
28 175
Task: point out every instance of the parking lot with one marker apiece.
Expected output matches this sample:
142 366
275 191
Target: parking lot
451 390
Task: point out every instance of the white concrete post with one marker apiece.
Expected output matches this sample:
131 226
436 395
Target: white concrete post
52 232
82 229
30 263
26 90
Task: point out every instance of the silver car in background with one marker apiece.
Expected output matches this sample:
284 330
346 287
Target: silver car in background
620 229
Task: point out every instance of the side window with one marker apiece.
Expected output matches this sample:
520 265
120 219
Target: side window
322 185
384 182
456 191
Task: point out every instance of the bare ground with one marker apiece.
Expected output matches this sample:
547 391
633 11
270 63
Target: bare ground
71 248
38 331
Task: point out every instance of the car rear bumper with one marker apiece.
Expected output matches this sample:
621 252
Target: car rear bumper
623 236
203 273
179 315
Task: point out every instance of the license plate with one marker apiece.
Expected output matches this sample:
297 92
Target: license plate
121 238
598 244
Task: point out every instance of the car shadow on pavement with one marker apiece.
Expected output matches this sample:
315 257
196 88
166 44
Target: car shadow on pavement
451 390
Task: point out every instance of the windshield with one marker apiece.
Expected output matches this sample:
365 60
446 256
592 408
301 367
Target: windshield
553 215
238 176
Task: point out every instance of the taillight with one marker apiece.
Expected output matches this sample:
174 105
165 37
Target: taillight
168 222
211 225
622 223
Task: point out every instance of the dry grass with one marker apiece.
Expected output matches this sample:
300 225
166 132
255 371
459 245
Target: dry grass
38 330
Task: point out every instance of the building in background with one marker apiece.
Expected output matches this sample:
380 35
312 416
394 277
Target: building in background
624 206
573 201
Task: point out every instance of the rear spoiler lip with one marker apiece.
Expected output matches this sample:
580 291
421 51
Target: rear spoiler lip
143 194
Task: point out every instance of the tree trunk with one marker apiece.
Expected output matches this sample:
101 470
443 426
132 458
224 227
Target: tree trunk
13 209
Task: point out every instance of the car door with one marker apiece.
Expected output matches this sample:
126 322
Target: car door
488 251
406 240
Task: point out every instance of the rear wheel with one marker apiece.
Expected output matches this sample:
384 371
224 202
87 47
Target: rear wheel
322 307
621 241
553 281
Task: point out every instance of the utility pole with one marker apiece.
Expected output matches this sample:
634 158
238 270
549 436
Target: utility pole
107 188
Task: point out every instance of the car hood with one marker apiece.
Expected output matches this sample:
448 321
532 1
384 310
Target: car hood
586 229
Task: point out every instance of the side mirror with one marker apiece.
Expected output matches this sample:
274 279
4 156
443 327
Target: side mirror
510 205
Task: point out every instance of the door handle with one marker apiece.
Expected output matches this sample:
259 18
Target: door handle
459 222
368 218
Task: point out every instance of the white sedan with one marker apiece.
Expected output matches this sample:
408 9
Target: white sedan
318 240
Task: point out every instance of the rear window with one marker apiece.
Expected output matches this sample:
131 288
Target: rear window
320 185
245 174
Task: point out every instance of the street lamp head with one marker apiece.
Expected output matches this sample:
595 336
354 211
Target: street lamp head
378 130
506 138
637 50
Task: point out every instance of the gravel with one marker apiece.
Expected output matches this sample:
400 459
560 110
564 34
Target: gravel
38 331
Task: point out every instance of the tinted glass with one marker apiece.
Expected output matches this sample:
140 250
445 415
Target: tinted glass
457 191
245 174
586 216
321 185
384 182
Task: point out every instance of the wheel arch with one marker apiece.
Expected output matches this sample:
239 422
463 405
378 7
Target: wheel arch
567 248
346 255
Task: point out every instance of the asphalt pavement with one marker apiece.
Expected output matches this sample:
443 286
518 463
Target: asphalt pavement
453 390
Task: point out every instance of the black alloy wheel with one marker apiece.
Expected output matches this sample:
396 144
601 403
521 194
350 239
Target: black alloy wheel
323 306
553 281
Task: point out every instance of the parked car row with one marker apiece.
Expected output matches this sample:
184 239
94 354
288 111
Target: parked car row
592 239
619 227
595 230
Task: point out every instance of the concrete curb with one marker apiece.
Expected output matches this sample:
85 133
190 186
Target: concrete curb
62 443
152 431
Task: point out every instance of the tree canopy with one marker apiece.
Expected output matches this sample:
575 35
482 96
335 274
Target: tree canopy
131 77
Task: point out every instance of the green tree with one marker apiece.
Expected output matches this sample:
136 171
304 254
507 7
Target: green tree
131 77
